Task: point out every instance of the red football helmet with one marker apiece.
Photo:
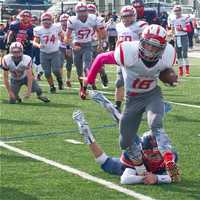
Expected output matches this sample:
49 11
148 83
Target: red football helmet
46 20
16 51
128 15
92 9
152 43
81 11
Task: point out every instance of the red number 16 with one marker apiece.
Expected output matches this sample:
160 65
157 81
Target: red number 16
141 84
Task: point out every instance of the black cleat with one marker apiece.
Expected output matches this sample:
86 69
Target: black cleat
52 90
44 99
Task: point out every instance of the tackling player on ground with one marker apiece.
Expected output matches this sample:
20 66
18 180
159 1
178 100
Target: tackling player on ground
156 171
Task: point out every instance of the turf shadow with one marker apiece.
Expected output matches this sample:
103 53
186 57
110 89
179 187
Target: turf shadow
15 158
180 118
19 122
8 193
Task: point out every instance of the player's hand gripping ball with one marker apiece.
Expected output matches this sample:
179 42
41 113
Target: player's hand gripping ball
169 77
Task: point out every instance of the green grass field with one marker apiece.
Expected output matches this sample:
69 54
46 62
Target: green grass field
43 129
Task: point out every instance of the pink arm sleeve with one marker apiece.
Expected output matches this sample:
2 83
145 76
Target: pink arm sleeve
98 63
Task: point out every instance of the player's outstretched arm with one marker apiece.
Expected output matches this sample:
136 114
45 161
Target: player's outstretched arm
98 63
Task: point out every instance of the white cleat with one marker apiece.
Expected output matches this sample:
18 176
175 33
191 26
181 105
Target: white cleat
84 128
107 104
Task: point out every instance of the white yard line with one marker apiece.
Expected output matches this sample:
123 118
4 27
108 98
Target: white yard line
184 104
77 172
73 141
13 142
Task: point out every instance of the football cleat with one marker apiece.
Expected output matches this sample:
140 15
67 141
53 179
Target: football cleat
60 85
167 107
173 171
82 93
180 71
68 83
52 89
83 126
44 99
103 101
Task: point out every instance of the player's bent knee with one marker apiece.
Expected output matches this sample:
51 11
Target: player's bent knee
155 121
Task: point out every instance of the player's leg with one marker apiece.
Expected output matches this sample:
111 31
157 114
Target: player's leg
179 56
15 87
155 114
129 124
56 67
78 61
36 89
119 89
185 43
46 65
109 165
69 63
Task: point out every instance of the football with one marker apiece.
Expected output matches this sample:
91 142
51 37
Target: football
168 76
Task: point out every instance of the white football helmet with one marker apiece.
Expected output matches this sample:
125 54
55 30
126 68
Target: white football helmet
16 51
92 9
63 19
81 11
128 15
152 43
46 19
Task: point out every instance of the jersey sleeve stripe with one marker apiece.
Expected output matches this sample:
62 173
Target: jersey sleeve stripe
144 24
121 54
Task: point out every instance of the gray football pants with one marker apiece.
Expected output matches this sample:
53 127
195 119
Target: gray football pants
83 59
51 62
182 52
17 84
151 102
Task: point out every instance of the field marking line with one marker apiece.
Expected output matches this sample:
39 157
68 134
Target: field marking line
13 141
77 172
72 141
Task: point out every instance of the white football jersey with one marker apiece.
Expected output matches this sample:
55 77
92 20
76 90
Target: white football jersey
131 32
18 71
181 22
139 78
49 38
83 31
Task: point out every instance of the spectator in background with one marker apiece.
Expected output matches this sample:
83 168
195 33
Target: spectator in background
2 42
163 19
114 16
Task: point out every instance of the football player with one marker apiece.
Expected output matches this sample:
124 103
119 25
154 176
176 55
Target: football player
180 27
99 46
46 37
83 26
156 172
141 62
129 29
20 68
66 50
21 31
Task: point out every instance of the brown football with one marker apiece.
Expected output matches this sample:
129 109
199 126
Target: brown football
168 76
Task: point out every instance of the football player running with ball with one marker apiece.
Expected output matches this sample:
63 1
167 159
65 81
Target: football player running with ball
142 62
